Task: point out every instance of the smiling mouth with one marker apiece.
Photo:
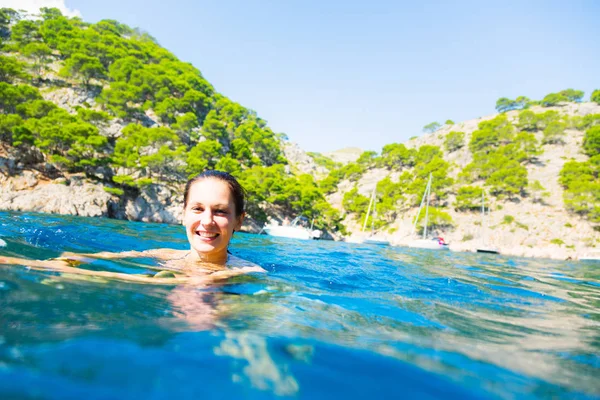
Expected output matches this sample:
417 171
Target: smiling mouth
207 235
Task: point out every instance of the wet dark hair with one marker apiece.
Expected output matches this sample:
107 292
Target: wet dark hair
237 191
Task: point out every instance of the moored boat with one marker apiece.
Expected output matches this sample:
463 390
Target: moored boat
295 230
484 247
436 243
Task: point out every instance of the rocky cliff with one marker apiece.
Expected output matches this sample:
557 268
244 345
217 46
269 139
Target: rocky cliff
520 227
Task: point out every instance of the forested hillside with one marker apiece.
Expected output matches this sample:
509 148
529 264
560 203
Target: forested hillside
537 162
105 104
128 114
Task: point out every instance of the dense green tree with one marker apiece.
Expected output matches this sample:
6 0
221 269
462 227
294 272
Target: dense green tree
8 122
588 121
330 182
553 99
574 171
546 118
523 102
524 148
7 16
572 95
449 122
355 203
491 134
483 140
595 97
367 158
93 116
83 67
504 104
396 156
527 120
24 32
35 108
388 195
454 141
427 153
156 151
11 69
73 144
40 54
241 150
591 141
121 69
432 127
13 95
468 198
511 180
119 99
581 181
230 165
203 155
554 133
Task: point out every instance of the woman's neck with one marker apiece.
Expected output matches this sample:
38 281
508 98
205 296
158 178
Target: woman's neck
219 259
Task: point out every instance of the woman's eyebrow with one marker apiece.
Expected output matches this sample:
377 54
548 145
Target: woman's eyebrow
199 203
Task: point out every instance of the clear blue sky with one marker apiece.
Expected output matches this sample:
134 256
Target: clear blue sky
333 74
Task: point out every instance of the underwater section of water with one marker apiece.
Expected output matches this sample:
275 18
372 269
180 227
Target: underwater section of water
327 320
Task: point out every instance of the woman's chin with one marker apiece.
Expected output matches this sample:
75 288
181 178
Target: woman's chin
207 248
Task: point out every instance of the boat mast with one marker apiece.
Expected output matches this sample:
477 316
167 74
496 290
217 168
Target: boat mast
374 212
425 196
483 219
428 192
369 210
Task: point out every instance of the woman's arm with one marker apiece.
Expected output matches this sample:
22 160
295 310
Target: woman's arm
161 254
63 267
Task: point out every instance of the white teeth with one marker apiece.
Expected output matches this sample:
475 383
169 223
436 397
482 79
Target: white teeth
207 234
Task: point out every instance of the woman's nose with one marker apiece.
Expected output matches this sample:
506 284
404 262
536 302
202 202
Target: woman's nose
206 218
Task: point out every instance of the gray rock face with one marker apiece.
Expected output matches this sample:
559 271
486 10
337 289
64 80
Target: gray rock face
68 98
29 191
156 203
26 192
302 161
345 155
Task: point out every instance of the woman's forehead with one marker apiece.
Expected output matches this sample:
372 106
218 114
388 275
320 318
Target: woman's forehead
210 189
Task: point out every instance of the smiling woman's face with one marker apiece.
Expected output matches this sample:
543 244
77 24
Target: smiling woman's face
210 219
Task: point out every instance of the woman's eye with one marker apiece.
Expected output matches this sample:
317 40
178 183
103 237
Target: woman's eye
197 209
221 212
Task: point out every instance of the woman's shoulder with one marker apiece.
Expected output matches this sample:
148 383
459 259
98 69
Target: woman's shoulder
166 254
238 263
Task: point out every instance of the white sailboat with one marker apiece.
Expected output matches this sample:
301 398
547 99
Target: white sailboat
368 239
485 248
424 243
295 230
372 239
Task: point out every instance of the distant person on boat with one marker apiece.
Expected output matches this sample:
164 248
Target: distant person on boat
213 209
441 241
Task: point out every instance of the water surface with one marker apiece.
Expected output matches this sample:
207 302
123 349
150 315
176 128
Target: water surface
328 320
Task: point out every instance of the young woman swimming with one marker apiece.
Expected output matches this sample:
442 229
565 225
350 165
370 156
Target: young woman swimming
213 209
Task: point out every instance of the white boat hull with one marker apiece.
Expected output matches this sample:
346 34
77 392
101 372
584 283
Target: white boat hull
489 250
292 232
428 244
379 242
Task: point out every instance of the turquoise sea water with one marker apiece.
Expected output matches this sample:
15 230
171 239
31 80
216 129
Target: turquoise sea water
329 320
